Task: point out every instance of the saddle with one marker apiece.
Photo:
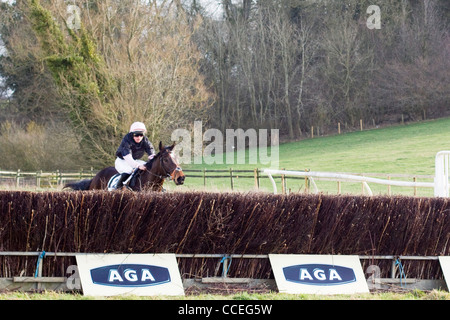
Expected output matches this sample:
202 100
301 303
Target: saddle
128 180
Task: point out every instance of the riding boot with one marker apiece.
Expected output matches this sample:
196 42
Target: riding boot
123 178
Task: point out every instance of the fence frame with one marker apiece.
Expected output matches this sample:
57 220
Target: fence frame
43 282
442 167
42 255
341 177
58 178
440 184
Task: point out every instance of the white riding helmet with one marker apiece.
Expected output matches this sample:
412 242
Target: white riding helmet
138 127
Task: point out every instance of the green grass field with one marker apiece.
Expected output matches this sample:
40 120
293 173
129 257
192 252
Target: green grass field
399 152
407 295
408 149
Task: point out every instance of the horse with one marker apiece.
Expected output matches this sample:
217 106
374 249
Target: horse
163 166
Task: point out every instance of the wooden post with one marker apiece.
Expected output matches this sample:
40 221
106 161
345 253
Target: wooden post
389 186
361 124
58 177
339 128
204 177
415 188
312 132
339 187
256 175
231 178
283 183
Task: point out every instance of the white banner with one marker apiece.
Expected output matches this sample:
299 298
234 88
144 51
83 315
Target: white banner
318 274
132 274
445 266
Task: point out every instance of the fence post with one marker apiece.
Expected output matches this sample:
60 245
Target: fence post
38 179
415 188
231 178
58 180
53 178
204 177
306 183
17 178
256 175
389 186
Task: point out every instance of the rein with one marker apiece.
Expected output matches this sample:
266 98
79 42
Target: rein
167 174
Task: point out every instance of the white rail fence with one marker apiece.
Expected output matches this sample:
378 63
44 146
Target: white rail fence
442 164
440 184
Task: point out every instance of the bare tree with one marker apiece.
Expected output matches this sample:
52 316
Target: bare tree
413 80
23 68
122 61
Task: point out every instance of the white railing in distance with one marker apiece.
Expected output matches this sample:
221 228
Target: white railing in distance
442 165
440 184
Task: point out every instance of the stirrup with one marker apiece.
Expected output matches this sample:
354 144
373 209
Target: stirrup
121 182
127 181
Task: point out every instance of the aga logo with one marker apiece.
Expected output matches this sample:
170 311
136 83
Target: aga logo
319 274
130 275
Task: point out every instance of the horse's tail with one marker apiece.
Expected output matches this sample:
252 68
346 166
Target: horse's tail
80 185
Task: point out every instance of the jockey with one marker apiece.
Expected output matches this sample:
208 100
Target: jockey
133 146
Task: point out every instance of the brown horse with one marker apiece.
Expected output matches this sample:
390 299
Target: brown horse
163 166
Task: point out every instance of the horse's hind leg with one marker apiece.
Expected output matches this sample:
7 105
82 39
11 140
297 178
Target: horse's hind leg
97 184
100 181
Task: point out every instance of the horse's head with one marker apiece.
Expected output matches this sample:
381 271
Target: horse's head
169 164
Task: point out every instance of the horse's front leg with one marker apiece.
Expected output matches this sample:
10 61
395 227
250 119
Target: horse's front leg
158 186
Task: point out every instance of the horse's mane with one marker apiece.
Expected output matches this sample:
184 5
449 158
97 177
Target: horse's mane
149 163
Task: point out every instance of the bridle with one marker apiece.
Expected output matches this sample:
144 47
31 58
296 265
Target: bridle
167 174
149 165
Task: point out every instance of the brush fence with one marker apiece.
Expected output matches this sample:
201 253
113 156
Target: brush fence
210 231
